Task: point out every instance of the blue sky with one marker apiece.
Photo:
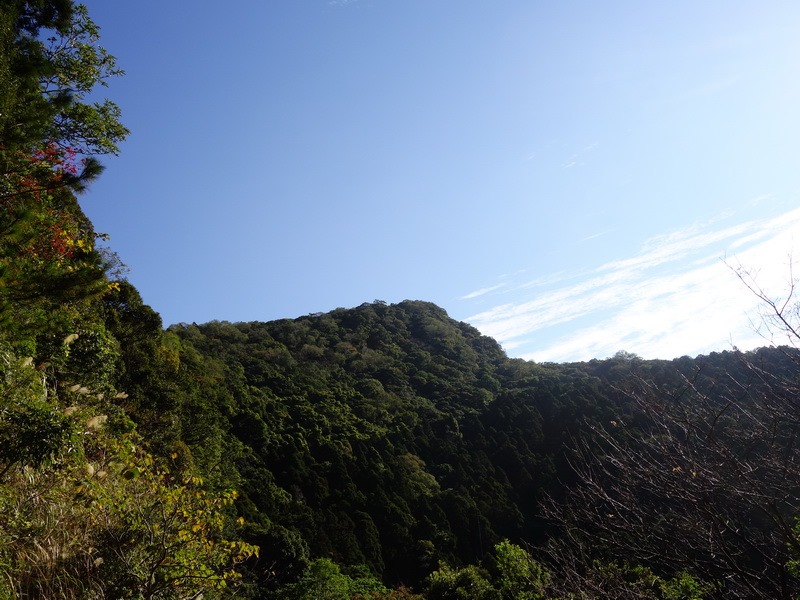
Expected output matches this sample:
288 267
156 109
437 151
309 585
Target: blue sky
566 176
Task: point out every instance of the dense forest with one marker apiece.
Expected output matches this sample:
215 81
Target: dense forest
383 451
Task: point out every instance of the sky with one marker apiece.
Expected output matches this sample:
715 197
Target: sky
572 178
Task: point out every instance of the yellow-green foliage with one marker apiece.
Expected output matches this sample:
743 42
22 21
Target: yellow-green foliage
99 517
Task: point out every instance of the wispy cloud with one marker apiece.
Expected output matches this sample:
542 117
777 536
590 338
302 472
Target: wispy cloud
595 235
676 296
482 291
576 160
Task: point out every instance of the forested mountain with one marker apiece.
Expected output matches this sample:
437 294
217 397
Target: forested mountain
394 437
391 436
383 451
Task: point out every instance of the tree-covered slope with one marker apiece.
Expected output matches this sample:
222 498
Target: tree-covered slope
391 435
394 437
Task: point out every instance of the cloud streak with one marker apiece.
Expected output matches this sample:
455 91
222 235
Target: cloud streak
676 296
482 292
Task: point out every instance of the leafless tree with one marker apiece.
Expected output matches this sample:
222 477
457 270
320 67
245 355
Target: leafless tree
709 484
